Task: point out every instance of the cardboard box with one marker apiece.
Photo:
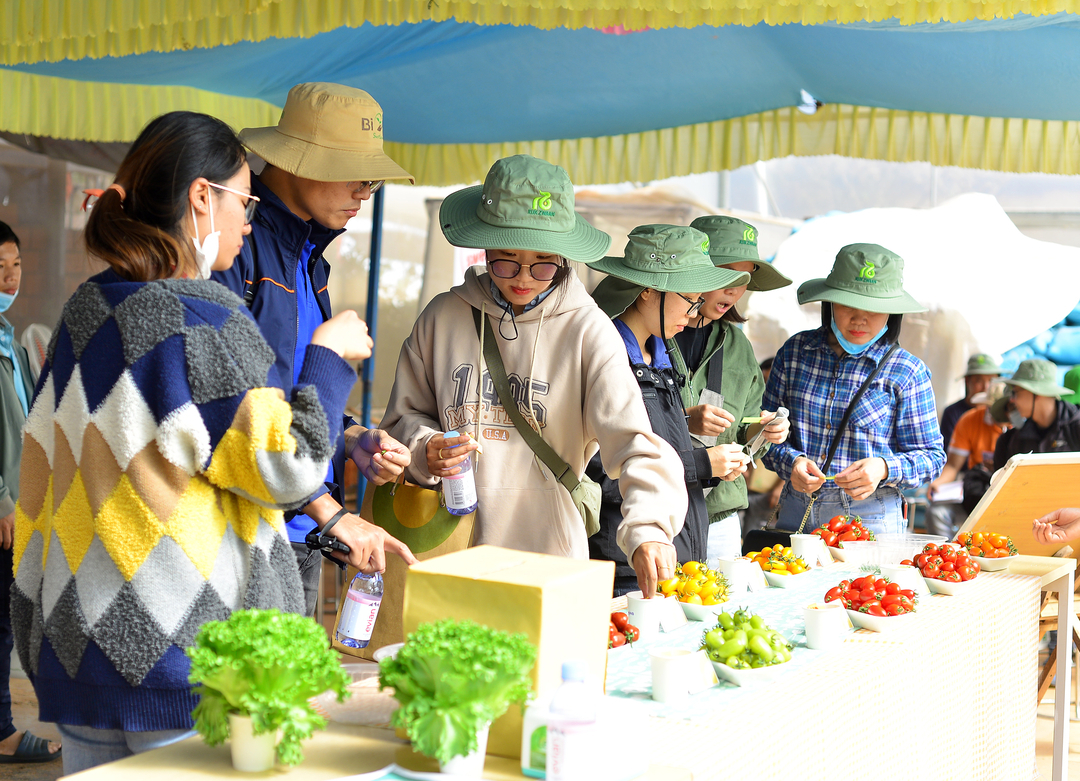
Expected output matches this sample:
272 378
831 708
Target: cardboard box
561 605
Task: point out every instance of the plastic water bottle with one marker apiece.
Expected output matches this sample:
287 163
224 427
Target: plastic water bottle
571 745
459 491
361 609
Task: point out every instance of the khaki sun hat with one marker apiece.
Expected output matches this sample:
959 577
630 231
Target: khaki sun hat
733 241
997 390
864 276
525 203
668 258
982 363
1040 377
329 133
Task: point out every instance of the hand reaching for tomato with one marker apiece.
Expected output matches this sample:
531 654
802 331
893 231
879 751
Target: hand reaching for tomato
1058 527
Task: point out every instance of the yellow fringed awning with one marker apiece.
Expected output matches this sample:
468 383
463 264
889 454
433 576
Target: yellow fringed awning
1013 145
63 108
51 30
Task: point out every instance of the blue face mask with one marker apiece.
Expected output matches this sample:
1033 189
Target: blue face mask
6 300
850 347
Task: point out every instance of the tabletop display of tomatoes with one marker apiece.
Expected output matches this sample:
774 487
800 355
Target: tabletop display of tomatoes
987 545
841 529
742 640
779 561
873 595
946 562
621 631
695 583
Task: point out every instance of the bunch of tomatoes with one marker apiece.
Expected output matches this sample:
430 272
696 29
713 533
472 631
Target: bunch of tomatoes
841 529
873 595
621 631
779 561
742 641
945 562
987 545
696 584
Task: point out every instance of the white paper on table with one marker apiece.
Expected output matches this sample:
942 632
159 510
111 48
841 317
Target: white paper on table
949 492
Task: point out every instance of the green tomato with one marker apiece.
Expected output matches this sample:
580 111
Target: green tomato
757 622
760 646
714 638
742 615
782 655
726 621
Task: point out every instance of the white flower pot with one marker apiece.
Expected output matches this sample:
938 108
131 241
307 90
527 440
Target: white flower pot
250 753
472 765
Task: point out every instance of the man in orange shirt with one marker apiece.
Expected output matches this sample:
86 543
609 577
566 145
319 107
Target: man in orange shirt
971 447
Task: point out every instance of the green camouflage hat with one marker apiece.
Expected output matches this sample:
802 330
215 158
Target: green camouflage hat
525 204
982 364
733 241
1040 377
668 258
1072 382
864 276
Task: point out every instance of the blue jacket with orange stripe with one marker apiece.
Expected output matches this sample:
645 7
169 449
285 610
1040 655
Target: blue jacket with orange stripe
264 276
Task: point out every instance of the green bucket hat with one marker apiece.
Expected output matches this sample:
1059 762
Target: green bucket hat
732 241
1040 377
982 364
864 276
1072 382
668 258
524 203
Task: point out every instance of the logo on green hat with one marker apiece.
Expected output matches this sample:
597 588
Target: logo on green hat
749 236
705 246
541 204
867 272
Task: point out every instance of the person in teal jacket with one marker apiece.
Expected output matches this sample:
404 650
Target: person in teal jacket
723 382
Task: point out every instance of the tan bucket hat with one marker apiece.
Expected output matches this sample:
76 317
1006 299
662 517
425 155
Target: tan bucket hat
329 133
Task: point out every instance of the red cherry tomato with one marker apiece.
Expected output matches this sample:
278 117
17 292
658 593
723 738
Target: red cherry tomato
620 620
618 640
632 633
873 610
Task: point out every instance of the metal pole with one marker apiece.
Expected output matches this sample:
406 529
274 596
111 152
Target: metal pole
371 315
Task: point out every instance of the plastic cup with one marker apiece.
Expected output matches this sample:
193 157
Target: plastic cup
672 674
826 627
645 614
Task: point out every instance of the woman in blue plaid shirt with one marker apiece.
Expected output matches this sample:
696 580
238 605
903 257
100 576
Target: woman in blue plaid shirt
892 440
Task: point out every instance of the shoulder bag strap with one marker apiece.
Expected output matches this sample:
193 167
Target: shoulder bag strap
562 471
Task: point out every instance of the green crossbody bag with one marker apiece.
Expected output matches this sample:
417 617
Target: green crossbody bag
585 492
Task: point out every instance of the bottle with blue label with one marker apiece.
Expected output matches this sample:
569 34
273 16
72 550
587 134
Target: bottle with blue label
459 491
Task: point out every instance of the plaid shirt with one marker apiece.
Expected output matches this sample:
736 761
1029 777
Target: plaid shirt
896 419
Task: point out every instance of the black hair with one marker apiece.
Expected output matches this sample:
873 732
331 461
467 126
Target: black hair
139 233
8 235
892 332
766 365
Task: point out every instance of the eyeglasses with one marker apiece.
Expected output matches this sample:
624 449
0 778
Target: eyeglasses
508 269
374 184
694 305
249 203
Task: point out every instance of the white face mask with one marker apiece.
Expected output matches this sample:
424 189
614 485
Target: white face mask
206 254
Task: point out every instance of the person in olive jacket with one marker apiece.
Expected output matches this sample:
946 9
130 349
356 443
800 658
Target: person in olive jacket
724 384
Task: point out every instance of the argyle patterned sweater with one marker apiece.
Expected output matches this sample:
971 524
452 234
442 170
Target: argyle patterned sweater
157 459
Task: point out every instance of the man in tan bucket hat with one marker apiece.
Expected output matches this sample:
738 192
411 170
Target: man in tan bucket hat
324 158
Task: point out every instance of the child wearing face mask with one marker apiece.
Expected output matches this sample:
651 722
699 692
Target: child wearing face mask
892 440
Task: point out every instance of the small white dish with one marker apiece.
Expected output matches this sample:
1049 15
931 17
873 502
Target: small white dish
947 587
876 623
701 612
993 565
746 677
387 652
838 554
784 581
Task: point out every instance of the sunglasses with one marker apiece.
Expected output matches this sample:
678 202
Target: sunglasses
250 201
694 305
374 184
508 269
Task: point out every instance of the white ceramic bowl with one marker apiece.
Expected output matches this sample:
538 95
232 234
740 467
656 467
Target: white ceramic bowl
948 587
876 623
387 652
838 554
701 612
993 565
747 677
784 581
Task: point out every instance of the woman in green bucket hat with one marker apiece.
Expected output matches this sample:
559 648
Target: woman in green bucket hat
651 293
892 440
724 384
1043 421
564 362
